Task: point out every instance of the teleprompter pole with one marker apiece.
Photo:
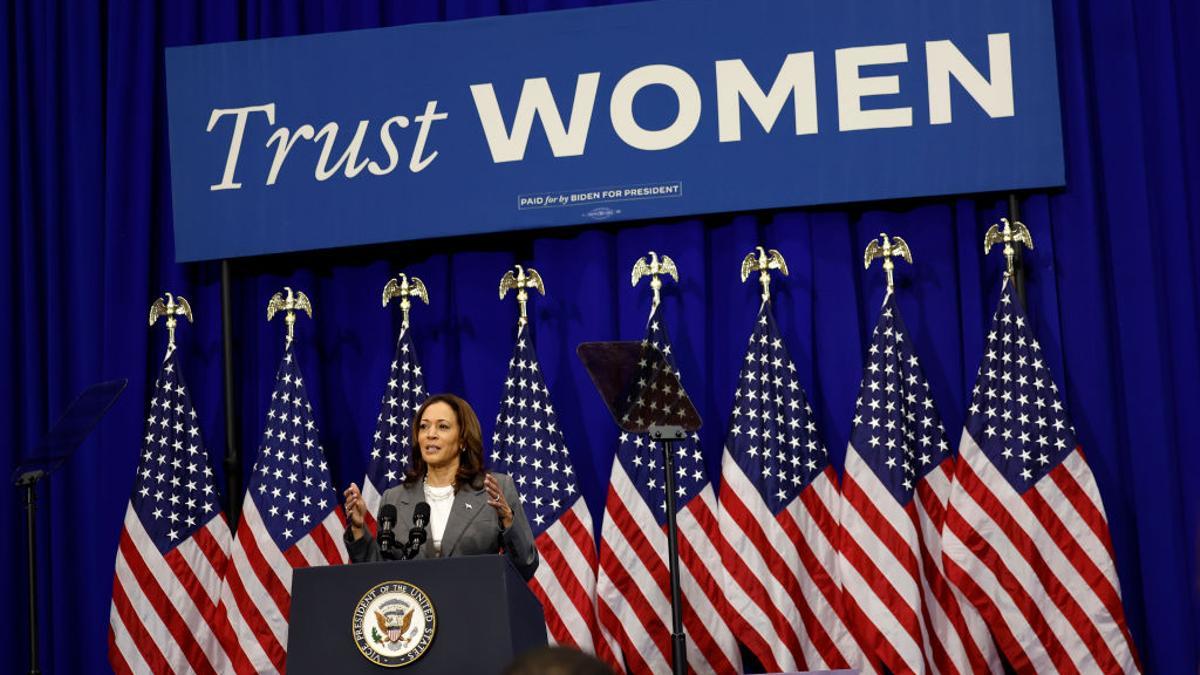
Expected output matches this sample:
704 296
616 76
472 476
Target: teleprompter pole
28 481
667 437
233 464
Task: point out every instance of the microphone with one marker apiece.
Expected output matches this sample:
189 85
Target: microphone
387 520
421 515
417 535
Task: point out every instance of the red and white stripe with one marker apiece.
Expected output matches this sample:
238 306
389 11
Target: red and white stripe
257 593
898 600
783 580
1039 566
373 500
633 591
565 582
164 611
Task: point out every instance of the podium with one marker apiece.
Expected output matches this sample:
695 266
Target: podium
483 615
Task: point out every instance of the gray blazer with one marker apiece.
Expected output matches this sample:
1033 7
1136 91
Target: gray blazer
473 527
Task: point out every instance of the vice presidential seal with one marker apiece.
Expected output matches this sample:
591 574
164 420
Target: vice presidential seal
393 624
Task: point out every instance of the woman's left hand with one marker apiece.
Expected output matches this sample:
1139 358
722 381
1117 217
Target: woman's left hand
496 501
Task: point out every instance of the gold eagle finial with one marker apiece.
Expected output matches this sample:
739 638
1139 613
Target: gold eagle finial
655 268
888 249
763 262
292 303
176 305
525 278
404 287
1013 233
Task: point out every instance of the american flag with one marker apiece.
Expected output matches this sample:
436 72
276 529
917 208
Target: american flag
633 594
778 518
291 519
528 446
173 547
393 430
894 491
1026 539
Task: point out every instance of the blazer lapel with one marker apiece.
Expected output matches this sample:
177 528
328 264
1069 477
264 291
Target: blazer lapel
406 500
468 503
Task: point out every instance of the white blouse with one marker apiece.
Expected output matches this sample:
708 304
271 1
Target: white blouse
440 499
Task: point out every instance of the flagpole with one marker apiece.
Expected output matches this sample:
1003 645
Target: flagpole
1018 275
233 464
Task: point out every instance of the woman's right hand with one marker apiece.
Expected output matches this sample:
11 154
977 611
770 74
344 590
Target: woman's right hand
356 510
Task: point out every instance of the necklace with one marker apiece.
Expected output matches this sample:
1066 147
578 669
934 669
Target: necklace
438 494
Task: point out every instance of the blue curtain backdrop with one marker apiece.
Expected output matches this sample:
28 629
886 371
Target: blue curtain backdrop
87 245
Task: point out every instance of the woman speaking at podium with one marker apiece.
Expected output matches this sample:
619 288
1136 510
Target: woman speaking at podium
470 511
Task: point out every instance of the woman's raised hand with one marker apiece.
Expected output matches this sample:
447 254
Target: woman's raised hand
497 501
356 510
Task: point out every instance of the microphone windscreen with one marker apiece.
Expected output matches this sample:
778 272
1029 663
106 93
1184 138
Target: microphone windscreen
387 516
421 514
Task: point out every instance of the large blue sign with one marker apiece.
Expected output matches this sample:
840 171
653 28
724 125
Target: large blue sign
634 111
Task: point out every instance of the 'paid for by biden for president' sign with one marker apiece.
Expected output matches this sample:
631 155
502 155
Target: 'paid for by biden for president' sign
627 112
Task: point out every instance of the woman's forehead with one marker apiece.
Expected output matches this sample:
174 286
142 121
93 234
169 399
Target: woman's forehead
439 411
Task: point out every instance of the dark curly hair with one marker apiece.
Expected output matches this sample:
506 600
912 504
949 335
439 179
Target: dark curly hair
470 461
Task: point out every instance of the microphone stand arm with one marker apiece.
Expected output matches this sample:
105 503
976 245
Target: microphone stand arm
416 539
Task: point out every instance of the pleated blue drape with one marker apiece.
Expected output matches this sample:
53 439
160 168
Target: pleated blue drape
86 245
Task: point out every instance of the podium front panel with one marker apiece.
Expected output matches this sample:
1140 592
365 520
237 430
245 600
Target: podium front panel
485 615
